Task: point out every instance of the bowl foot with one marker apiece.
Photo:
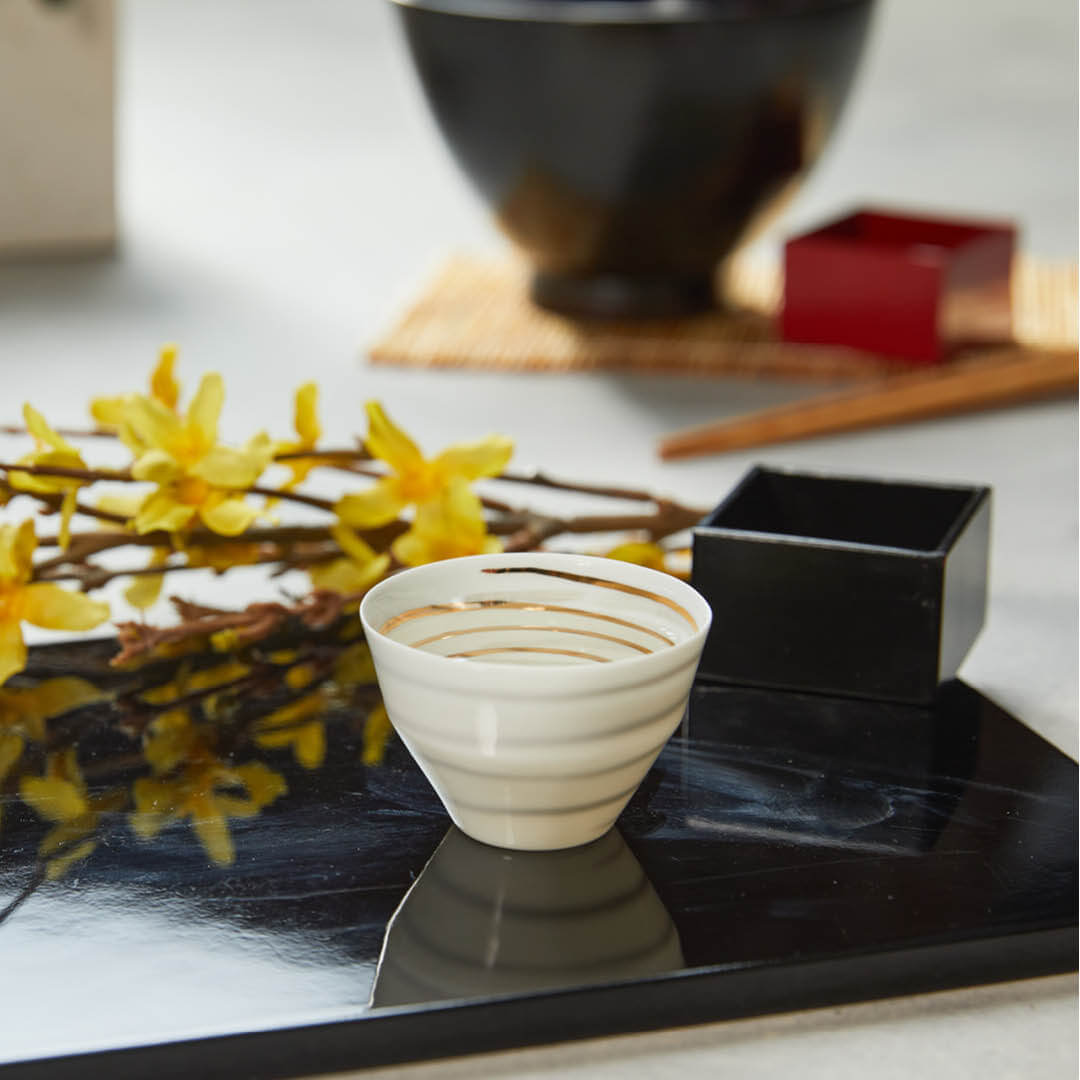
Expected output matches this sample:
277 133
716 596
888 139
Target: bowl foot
618 296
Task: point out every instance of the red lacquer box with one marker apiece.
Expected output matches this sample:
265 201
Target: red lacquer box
911 287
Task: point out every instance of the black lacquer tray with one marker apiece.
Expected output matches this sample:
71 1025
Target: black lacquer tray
786 851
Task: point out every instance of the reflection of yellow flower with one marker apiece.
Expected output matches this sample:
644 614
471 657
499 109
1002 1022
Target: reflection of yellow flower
171 737
306 423
354 666
145 589
413 478
377 732
194 474
208 792
297 725
23 713
60 796
56 452
356 572
40 603
447 529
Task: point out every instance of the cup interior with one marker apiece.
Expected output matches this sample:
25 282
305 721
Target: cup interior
536 610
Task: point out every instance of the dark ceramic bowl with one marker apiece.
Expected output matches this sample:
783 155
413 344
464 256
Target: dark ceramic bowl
629 145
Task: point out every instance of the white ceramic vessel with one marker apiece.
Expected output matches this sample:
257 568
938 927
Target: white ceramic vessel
535 690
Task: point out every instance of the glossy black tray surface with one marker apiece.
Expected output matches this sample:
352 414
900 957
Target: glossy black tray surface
785 851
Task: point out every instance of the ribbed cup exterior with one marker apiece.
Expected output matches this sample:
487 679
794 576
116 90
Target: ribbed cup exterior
541 688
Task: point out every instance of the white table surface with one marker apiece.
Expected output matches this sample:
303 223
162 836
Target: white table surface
283 193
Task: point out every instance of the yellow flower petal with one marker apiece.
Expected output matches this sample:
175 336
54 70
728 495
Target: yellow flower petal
301 709
162 511
17 546
377 732
144 590
369 509
54 800
163 384
347 577
228 468
11 748
53 697
123 503
152 423
643 554
230 517
462 509
12 649
450 528
214 836
205 408
305 417
488 457
263 784
61 864
356 547
65 834
36 425
152 796
388 442
156 466
146 824
109 411
310 745
354 667
171 744
67 511
54 608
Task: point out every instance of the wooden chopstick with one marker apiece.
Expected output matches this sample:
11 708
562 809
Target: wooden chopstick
1014 376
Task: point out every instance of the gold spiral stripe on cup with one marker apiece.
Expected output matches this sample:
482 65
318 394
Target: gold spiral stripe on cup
603 583
530 629
453 606
529 649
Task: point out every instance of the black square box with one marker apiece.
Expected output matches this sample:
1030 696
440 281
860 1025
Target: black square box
852 587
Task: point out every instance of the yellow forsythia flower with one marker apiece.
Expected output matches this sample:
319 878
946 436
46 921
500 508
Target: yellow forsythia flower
52 450
195 475
449 528
414 479
39 603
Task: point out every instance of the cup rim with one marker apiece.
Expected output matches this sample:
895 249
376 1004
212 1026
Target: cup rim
626 12
571 678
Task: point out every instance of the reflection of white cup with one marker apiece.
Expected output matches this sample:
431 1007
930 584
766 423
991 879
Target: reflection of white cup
480 921
535 690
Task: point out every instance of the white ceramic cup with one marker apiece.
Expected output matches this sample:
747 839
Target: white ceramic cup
535 690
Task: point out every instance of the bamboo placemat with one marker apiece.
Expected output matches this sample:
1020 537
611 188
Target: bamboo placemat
476 313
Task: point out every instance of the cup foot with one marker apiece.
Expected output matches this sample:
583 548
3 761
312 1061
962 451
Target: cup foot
623 296
539 831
